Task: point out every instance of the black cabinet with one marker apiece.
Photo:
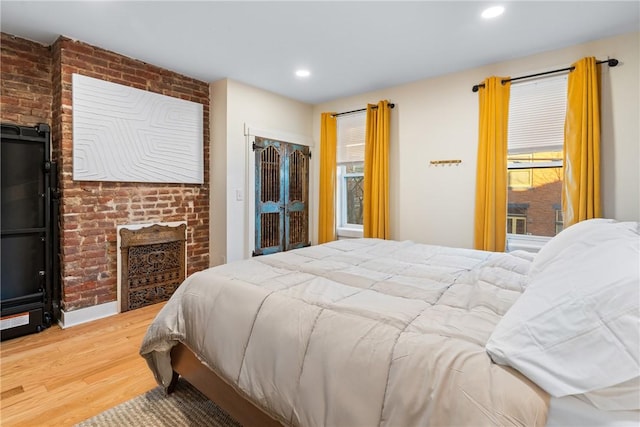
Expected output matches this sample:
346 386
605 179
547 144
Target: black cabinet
29 291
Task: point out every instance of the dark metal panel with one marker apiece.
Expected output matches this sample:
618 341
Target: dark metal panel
29 253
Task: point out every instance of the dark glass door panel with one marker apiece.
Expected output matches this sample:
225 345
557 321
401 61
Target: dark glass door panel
23 262
23 185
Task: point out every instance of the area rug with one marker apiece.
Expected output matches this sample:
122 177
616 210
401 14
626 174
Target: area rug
186 406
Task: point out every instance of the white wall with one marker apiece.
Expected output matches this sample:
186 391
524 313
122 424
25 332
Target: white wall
218 173
437 119
236 108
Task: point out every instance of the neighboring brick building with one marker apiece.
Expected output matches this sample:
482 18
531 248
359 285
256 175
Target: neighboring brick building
536 208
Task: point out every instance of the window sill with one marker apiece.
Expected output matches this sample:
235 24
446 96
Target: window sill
525 242
349 233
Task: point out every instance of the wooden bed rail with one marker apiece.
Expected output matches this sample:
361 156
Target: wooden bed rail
187 365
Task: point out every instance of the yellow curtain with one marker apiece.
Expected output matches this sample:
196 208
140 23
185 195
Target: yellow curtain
376 172
490 229
581 186
327 202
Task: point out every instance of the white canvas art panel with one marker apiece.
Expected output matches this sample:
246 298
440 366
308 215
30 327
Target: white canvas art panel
125 134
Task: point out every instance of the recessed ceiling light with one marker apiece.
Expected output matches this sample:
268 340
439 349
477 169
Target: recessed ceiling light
492 12
303 73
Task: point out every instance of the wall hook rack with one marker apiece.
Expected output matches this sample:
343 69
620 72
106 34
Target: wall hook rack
445 162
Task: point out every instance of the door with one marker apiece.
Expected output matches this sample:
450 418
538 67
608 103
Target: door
282 196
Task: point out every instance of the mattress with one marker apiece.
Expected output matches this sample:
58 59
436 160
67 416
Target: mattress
356 332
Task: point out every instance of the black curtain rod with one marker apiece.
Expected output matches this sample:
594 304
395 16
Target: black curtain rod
357 111
611 62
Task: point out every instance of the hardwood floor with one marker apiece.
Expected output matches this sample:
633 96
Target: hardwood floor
63 376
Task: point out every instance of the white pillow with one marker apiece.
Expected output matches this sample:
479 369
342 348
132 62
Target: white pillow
576 328
621 397
562 240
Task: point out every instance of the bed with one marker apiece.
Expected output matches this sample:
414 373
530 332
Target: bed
370 332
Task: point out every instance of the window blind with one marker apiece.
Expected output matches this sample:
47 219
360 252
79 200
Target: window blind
351 138
537 112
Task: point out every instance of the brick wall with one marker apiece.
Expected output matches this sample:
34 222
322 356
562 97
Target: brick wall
91 211
25 81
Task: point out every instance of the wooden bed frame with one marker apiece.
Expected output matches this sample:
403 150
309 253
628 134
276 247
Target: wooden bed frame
187 365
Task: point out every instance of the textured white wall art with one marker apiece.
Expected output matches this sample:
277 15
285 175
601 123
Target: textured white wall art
131 135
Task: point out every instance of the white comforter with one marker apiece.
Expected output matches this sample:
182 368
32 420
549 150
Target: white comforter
357 333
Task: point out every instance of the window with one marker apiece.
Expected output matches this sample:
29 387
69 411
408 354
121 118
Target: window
351 183
536 136
520 177
517 224
517 218
350 174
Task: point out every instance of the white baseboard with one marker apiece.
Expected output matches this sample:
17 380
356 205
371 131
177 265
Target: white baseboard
84 315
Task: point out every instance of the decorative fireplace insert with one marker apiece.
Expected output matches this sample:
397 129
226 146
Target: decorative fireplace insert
152 264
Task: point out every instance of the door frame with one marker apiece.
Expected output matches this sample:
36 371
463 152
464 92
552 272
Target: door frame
251 132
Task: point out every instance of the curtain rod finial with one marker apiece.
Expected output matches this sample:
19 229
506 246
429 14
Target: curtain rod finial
475 88
612 62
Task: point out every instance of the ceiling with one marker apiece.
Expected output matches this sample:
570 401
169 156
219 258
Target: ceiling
349 47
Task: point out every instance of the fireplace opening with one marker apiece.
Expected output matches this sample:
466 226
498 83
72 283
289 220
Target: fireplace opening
152 264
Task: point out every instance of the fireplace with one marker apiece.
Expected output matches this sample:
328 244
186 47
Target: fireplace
151 263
